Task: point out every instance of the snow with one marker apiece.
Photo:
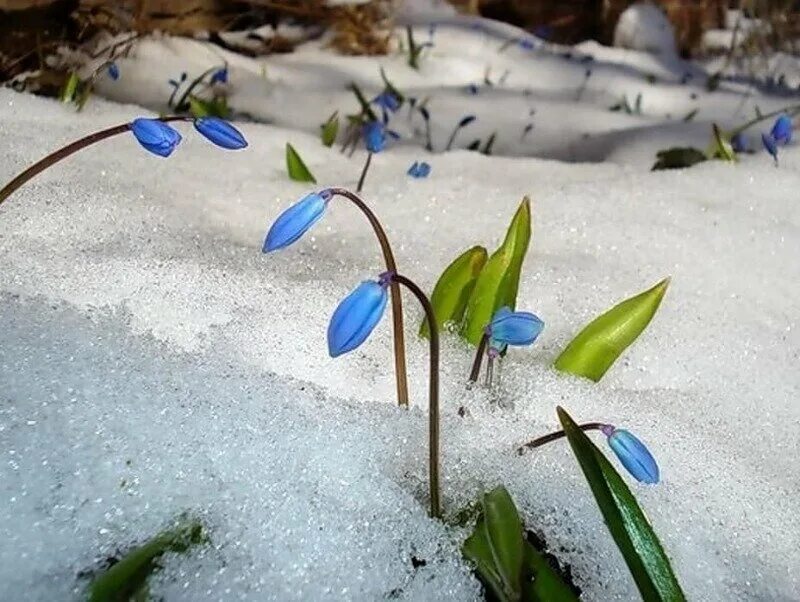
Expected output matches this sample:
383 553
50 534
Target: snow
644 26
153 361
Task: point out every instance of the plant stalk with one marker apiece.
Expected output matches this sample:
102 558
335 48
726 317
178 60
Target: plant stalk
433 394
364 173
544 439
69 149
397 303
476 365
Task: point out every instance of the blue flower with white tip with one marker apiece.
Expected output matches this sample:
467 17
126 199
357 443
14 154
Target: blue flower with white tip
517 328
357 315
633 454
155 136
220 132
420 169
296 221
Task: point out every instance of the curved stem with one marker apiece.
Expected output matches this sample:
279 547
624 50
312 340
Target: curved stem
544 439
433 393
791 111
397 303
68 150
364 173
476 365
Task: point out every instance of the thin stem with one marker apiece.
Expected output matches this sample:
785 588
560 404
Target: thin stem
791 111
452 138
476 365
364 173
428 140
433 394
66 151
397 303
544 439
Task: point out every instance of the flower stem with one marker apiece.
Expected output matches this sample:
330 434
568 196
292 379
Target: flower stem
397 303
452 138
476 365
68 150
364 173
433 394
544 439
791 111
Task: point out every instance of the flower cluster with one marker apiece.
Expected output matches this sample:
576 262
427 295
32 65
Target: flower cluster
161 138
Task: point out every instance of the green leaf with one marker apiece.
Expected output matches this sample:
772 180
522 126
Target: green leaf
496 546
296 168
70 88
450 295
362 100
392 88
541 583
678 158
127 579
603 340
198 107
646 559
498 282
330 129
720 147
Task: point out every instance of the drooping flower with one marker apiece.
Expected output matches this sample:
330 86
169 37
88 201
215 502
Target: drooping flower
296 221
633 454
220 132
769 143
781 131
155 136
220 76
513 328
739 143
419 170
113 71
374 136
387 101
357 316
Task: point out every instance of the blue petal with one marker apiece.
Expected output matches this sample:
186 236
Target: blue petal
374 136
155 136
424 170
515 328
220 76
739 143
782 130
769 143
412 171
294 222
220 132
356 317
635 457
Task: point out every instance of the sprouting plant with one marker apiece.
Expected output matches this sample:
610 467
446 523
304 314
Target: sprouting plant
298 219
211 80
464 122
154 134
414 49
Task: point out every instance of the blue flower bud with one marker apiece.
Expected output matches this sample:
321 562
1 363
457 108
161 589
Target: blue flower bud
514 327
388 101
295 221
769 143
113 71
155 136
220 132
220 76
739 143
782 130
633 454
374 136
357 316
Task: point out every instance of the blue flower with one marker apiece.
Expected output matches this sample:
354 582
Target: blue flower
633 454
387 101
739 143
357 316
513 328
374 136
220 76
769 143
782 130
296 220
113 71
419 170
155 136
220 132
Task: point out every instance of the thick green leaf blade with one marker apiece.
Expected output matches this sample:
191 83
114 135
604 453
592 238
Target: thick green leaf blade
128 578
452 290
544 584
496 546
296 168
330 129
721 147
498 282
646 559
70 88
592 352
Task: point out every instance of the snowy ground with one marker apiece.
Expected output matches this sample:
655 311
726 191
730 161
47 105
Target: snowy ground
153 361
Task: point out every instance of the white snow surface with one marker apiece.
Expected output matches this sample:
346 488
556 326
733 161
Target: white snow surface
154 361
645 26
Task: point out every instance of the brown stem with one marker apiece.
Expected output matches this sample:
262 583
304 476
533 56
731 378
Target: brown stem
544 439
397 303
68 150
476 365
364 173
433 394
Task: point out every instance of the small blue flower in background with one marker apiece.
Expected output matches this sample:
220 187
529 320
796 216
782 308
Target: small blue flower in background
419 170
769 143
374 136
220 132
220 76
782 130
155 136
633 454
388 103
296 221
513 328
113 71
357 315
739 143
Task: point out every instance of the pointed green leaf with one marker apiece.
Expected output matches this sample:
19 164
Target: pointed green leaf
646 559
330 129
720 147
498 282
199 107
127 579
496 546
449 298
296 168
541 582
603 340
70 88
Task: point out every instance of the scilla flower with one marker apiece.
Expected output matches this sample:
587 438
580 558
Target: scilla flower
374 136
357 316
113 71
155 136
220 76
769 143
420 169
781 131
296 220
220 132
513 328
633 454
